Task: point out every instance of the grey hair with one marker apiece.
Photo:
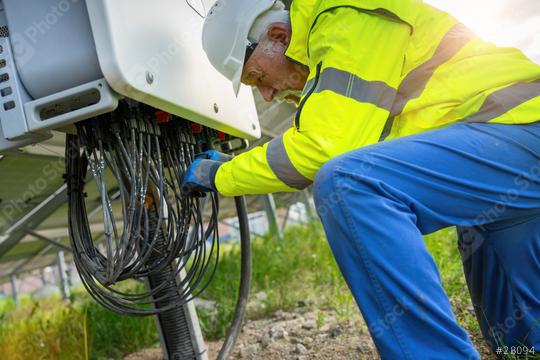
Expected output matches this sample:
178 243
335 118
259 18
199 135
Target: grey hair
276 14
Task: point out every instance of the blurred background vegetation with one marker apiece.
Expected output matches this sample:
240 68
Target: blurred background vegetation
298 271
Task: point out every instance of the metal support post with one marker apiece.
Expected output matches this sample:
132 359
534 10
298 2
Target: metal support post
271 215
14 291
43 277
285 219
64 285
305 196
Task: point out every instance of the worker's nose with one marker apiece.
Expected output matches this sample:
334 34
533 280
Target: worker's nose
267 92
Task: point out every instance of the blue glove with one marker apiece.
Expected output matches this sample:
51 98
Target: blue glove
214 155
199 177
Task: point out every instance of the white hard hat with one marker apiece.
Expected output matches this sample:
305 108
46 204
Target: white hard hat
225 34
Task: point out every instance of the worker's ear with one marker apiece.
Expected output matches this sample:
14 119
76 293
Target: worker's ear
279 32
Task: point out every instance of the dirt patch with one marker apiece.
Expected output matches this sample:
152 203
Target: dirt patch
301 335
146 354
310 335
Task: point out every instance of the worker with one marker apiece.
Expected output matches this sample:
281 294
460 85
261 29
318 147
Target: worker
406 123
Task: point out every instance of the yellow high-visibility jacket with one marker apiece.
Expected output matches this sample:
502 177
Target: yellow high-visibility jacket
381 69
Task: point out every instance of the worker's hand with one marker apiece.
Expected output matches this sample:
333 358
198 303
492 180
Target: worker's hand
214 155
199 177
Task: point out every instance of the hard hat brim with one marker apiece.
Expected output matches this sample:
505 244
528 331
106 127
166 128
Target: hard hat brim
228 56
236 81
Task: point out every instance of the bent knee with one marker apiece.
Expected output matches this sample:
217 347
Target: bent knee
353 166
323 184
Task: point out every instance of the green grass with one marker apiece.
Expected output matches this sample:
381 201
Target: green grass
301 269
80 329
296 271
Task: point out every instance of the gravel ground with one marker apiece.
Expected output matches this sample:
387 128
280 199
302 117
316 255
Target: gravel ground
301 336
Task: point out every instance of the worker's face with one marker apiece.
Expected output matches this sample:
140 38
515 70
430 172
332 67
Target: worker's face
268 69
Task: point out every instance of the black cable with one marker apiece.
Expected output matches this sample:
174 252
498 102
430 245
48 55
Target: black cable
146 162
245 280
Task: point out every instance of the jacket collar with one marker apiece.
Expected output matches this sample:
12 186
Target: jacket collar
301 13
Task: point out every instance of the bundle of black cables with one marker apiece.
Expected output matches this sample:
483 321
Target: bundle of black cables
148 224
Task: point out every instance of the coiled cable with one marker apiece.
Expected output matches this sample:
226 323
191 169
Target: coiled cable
145 163
150 230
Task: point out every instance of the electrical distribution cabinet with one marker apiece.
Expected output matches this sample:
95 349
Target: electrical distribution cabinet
63 61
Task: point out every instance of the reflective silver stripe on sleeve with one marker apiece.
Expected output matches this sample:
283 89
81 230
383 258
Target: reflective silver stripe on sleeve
414 83
349 85
281 165
501 101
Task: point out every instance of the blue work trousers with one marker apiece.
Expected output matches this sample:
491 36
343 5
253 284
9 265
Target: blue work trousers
376 203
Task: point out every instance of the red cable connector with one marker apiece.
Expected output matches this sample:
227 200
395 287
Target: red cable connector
196 128
162 117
